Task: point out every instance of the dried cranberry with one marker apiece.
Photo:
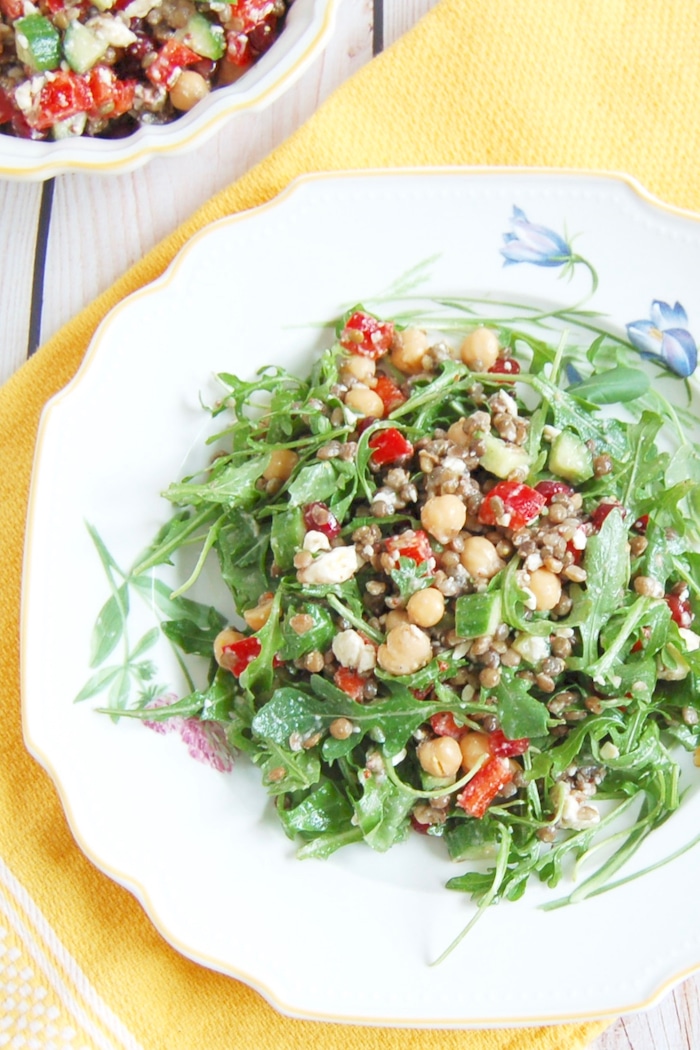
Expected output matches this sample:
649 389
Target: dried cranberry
549 488
263 35
601 512
506 366
681 612
318 518
640 524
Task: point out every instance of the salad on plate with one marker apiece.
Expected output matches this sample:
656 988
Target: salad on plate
463 574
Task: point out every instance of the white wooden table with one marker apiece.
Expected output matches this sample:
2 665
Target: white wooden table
51 266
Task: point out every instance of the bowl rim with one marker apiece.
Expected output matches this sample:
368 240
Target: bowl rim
26 160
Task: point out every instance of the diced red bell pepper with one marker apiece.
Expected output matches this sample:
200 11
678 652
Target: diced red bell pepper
601 512
239 654
351 682
520 502
476 796
506 366
169 62
7 109
389 446
443 724
12 9
365 335
412 544
549 488
111 96
318 518
65 95
681 611
250 13
500 745
389 392
238 50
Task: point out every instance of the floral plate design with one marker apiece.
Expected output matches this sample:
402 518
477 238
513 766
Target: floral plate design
586 259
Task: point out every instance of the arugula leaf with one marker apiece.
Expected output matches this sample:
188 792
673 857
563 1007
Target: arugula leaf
607 573
520 714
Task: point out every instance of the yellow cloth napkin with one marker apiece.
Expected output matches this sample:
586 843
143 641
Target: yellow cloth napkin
595 84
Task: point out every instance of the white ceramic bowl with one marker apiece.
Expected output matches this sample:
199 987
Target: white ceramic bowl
307 28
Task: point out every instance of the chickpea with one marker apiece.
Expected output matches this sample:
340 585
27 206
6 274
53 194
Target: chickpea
457 433
282 463
426 608
258 617
226 637
546 587
480 349
473 747
480 558
443 517
189 89
365 402
440 757
357 367
395 617
405 650
409 350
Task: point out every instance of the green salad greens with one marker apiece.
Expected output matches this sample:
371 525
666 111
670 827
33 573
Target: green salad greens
465 569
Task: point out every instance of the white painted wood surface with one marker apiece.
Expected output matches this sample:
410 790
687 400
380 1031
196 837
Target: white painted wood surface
85 256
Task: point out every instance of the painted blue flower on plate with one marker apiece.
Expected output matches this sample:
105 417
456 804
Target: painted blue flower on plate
529 242
665 338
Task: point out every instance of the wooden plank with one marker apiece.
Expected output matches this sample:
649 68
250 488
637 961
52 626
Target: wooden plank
121 217
19 206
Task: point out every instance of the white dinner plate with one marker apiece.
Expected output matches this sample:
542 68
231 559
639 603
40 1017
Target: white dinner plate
350 938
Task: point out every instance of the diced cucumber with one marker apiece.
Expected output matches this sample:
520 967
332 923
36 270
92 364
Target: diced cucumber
570 457
38 43
477 614
204 37
502 458
82 47
70 128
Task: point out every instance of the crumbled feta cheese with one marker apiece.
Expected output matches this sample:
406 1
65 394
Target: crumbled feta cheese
140 8
316 541
609 751
111 30
578 813
27 94
454 465
351 650
334 566
691 639
531 647
579 539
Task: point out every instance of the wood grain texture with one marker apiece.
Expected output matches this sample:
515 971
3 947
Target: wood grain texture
100 226
154 200
19 208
